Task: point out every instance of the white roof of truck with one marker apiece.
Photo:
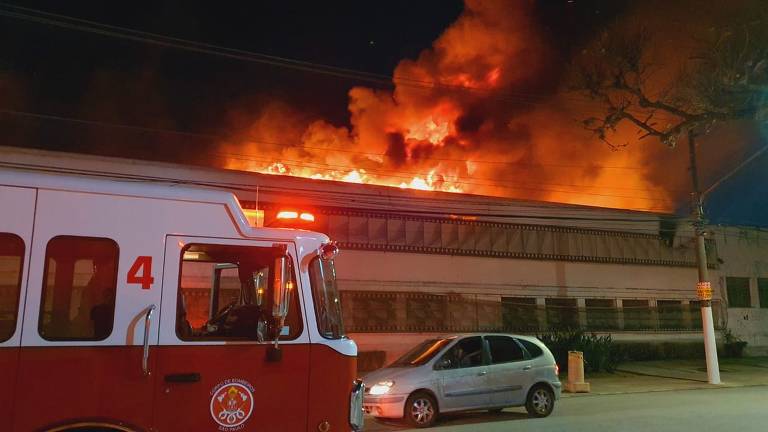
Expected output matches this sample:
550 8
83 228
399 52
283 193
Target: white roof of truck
144 188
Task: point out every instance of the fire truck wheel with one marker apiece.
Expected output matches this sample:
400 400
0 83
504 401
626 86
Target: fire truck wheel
421 410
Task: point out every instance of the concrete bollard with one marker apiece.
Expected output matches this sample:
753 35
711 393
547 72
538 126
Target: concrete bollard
575 383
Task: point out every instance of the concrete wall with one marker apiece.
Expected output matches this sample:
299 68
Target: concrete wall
744 253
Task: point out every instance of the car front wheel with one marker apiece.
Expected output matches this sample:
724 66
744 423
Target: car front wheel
421 410
540 401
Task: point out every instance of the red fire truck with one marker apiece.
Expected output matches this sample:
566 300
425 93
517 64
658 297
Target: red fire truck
129 305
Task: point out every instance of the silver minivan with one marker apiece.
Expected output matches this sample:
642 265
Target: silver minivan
465 372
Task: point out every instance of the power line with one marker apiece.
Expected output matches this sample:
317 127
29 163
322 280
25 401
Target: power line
73 23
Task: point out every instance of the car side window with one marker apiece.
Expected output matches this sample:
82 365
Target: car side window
467 352
504 349
533 349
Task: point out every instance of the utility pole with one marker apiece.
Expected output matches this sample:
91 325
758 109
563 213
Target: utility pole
703 288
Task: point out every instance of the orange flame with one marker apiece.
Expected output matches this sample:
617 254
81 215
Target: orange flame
430 134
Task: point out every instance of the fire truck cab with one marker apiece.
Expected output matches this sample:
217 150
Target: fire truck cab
131 305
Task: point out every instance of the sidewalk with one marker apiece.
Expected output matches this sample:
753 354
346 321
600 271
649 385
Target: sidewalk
670 375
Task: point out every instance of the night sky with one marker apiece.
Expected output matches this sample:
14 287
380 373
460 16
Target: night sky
67 73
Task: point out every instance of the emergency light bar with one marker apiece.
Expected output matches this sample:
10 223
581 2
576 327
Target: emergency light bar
289 214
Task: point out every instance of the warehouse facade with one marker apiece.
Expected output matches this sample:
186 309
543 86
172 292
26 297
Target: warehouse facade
416 264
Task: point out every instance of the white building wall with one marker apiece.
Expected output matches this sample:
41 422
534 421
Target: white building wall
391 271
744 253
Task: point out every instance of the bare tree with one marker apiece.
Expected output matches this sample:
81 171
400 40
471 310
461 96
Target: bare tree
726 78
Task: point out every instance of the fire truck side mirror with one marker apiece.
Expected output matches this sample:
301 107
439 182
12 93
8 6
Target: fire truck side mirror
282 286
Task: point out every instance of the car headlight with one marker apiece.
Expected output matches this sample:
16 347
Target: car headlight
382 387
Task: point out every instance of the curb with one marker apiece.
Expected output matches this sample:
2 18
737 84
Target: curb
703 387
662 376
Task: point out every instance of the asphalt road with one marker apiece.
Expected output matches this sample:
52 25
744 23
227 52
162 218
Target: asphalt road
729 409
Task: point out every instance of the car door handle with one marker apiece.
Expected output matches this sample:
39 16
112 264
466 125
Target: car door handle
482 373
528 367
183 377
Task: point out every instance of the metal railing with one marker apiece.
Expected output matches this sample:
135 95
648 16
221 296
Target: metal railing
396 312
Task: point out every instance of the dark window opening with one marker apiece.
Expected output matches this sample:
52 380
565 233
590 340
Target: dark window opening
533 349
671 314
226 293
738 292
562 313
762 291
602 314
11 265
78 299
467 352
637 315
519 314
504 349
326 298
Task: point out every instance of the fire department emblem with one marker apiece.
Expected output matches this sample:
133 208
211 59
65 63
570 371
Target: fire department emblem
231 404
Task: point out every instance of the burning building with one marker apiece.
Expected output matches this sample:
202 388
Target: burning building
417 263
466 196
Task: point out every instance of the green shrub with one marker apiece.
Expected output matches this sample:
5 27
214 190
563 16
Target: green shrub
647 351
600 352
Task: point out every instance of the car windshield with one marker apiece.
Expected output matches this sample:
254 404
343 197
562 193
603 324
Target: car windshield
421 353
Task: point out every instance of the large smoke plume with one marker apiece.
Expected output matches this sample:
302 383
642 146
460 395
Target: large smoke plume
476 113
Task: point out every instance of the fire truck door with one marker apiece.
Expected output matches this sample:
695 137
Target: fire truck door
15 236
216 328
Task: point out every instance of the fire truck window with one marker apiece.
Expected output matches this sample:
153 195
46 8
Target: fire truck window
11 261
322 275
78 301
225 293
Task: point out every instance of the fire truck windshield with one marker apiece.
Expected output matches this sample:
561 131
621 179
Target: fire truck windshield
322 274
